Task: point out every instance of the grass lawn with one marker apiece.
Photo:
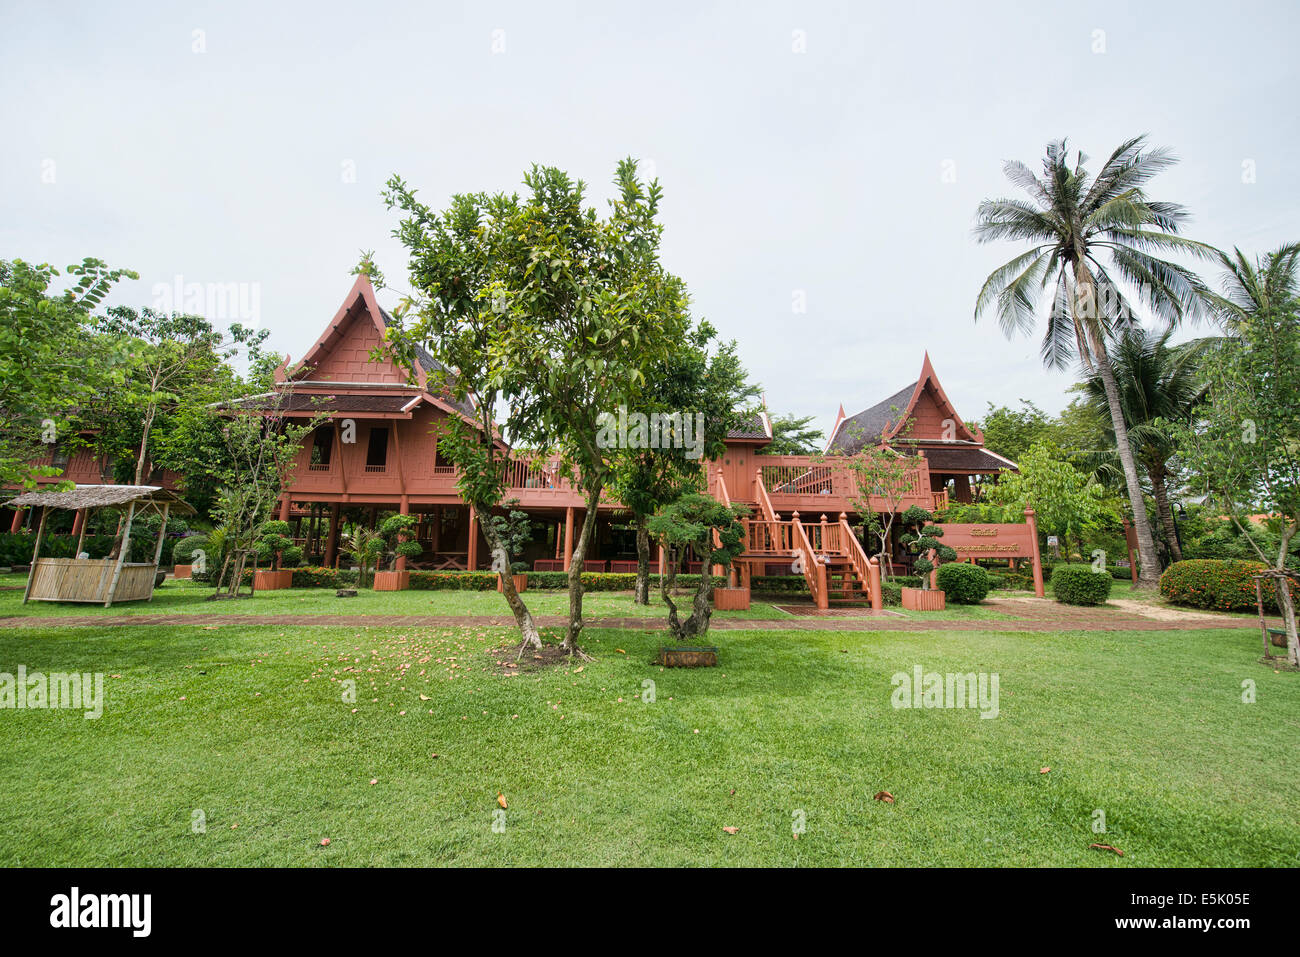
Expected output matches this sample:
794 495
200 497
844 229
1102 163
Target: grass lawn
189 598
247 725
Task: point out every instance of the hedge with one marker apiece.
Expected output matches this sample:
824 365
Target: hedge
1224 584
317 577
1080 585
891 593
963 583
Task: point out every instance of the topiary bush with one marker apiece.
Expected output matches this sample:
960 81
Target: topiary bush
1080 585
963 583
1224 584
186 547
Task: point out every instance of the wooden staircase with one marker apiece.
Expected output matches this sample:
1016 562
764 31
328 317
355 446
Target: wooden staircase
843 586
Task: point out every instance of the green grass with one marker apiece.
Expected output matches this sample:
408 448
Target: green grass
246 724
190 598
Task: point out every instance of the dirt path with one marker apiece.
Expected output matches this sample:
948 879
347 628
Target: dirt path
1030 614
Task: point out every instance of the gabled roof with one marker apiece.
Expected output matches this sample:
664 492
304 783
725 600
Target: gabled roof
756 428
360 305
884 421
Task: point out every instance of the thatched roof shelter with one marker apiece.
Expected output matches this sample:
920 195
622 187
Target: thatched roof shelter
105 496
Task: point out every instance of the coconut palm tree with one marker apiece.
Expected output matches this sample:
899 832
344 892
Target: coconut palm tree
1159 384
1093 240
1251 287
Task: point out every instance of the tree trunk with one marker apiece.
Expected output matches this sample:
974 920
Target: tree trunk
1286 604
575 573
144 446
1149 564
642 596
697 625
1160 492
501 560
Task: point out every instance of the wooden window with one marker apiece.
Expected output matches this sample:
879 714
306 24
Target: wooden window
377 451
322 447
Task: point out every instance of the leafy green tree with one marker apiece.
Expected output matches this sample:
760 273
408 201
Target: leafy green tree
1010 432
1090 239
689 381
697 524
1245 445
923 539
881 476
50 364
515 530
1160 385
573 308
794 435
392 533
1067 501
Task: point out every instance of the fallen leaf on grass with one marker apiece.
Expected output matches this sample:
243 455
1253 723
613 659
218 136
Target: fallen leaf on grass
1107 847
1043 770
501 799
883 796
324 842
731 830
620 651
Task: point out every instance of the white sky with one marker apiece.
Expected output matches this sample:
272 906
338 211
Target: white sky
820 172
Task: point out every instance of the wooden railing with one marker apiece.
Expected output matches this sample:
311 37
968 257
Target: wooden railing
769 538
813 483
814 572
862 566
764 500
939 500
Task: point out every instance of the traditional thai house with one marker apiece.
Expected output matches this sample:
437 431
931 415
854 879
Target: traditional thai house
376 450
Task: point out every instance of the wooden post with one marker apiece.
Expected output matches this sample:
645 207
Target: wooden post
559 541
1038 559
81 533
472 557
568 537
332 542
403 509
36 553
121 555
873 583
157 549
437 529
17 524
284 507
663 563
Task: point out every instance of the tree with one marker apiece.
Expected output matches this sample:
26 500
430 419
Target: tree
922 539
1160 385
572 308
883 474
171 361
1010 432
689 381
701 525
50 364
515 530
365 546
794 435
392 533
1245 445
1067 501
1088 235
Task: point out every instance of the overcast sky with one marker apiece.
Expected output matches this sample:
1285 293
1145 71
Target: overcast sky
832 154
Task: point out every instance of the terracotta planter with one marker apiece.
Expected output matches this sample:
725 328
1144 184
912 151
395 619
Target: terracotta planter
183 571
731 599
688 657
392 581
521 582
922 599
266 580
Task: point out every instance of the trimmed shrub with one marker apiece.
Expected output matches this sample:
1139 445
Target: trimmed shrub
1080 585
186 547
963 583
891 592
1223 584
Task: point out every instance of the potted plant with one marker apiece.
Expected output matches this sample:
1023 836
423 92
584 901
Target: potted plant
922 539
185 558
365 548
392 534
701 525
272 543
514 531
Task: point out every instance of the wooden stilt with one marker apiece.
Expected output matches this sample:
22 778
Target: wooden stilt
82 517
121 555
36 553
157 549
472 557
